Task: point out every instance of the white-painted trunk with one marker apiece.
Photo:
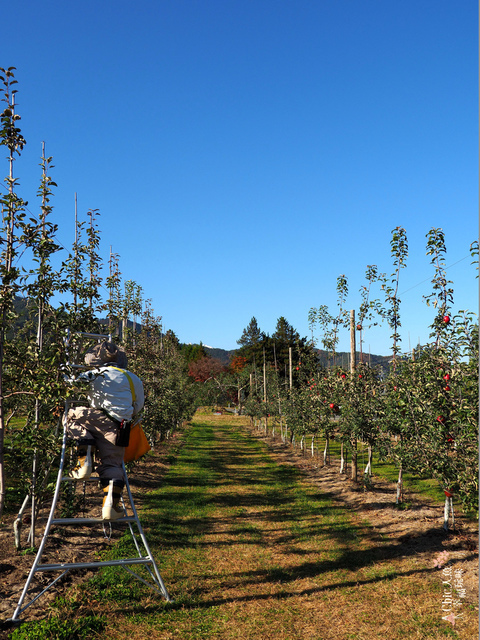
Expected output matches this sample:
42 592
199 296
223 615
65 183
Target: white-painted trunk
368 468
302 443
325 453
343 459
400 486
17 525
312 448
448 509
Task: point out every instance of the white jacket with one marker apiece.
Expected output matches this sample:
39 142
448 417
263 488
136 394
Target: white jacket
110 391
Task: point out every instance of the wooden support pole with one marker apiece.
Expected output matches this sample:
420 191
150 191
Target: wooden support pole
353 359
353 365
290 366
265 390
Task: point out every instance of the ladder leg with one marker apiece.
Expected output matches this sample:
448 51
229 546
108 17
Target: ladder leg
144 541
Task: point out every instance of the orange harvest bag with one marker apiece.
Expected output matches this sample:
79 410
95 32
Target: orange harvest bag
138 444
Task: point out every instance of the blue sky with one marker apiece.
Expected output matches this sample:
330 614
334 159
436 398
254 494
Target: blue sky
243 154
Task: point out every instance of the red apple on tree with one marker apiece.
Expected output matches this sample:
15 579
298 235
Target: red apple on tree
446 319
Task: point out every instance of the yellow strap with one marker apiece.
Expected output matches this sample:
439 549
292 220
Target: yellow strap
130 382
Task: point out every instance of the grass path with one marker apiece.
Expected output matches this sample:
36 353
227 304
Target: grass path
250 550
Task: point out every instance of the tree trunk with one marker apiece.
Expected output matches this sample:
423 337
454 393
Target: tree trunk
2 412
31 536
400 485
343 459
447 510
2 465
368 468
325 452
354 461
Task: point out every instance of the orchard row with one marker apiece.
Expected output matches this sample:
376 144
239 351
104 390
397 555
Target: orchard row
47 292
419 411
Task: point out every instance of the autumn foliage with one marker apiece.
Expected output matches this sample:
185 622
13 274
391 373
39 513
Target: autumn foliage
205 368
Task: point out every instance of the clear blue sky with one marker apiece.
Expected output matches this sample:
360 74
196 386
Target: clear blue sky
244 153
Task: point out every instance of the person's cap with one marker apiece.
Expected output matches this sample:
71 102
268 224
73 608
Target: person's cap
105 352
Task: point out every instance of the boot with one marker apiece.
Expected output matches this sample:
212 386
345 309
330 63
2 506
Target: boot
112 508
84 467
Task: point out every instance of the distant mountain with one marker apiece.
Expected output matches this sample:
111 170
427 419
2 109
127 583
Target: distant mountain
342 358
220 354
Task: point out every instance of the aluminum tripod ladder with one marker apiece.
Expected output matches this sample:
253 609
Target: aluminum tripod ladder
145 556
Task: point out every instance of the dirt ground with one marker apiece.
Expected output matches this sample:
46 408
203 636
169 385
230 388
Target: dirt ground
418 529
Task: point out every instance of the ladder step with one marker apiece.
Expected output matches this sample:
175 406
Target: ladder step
92 565
90 479
91 520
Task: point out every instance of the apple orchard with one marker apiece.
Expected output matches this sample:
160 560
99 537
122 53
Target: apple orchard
419 412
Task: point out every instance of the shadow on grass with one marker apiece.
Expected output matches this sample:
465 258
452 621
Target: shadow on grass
215 484
211 467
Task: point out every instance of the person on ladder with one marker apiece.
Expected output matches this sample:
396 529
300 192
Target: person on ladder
115 397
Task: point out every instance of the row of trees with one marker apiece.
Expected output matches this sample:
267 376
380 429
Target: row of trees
47 293
420 411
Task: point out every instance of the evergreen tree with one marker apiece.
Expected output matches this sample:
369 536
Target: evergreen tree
193 352
252 343
284 338
251 335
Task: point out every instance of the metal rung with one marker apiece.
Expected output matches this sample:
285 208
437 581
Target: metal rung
93 565
92 520
90 479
